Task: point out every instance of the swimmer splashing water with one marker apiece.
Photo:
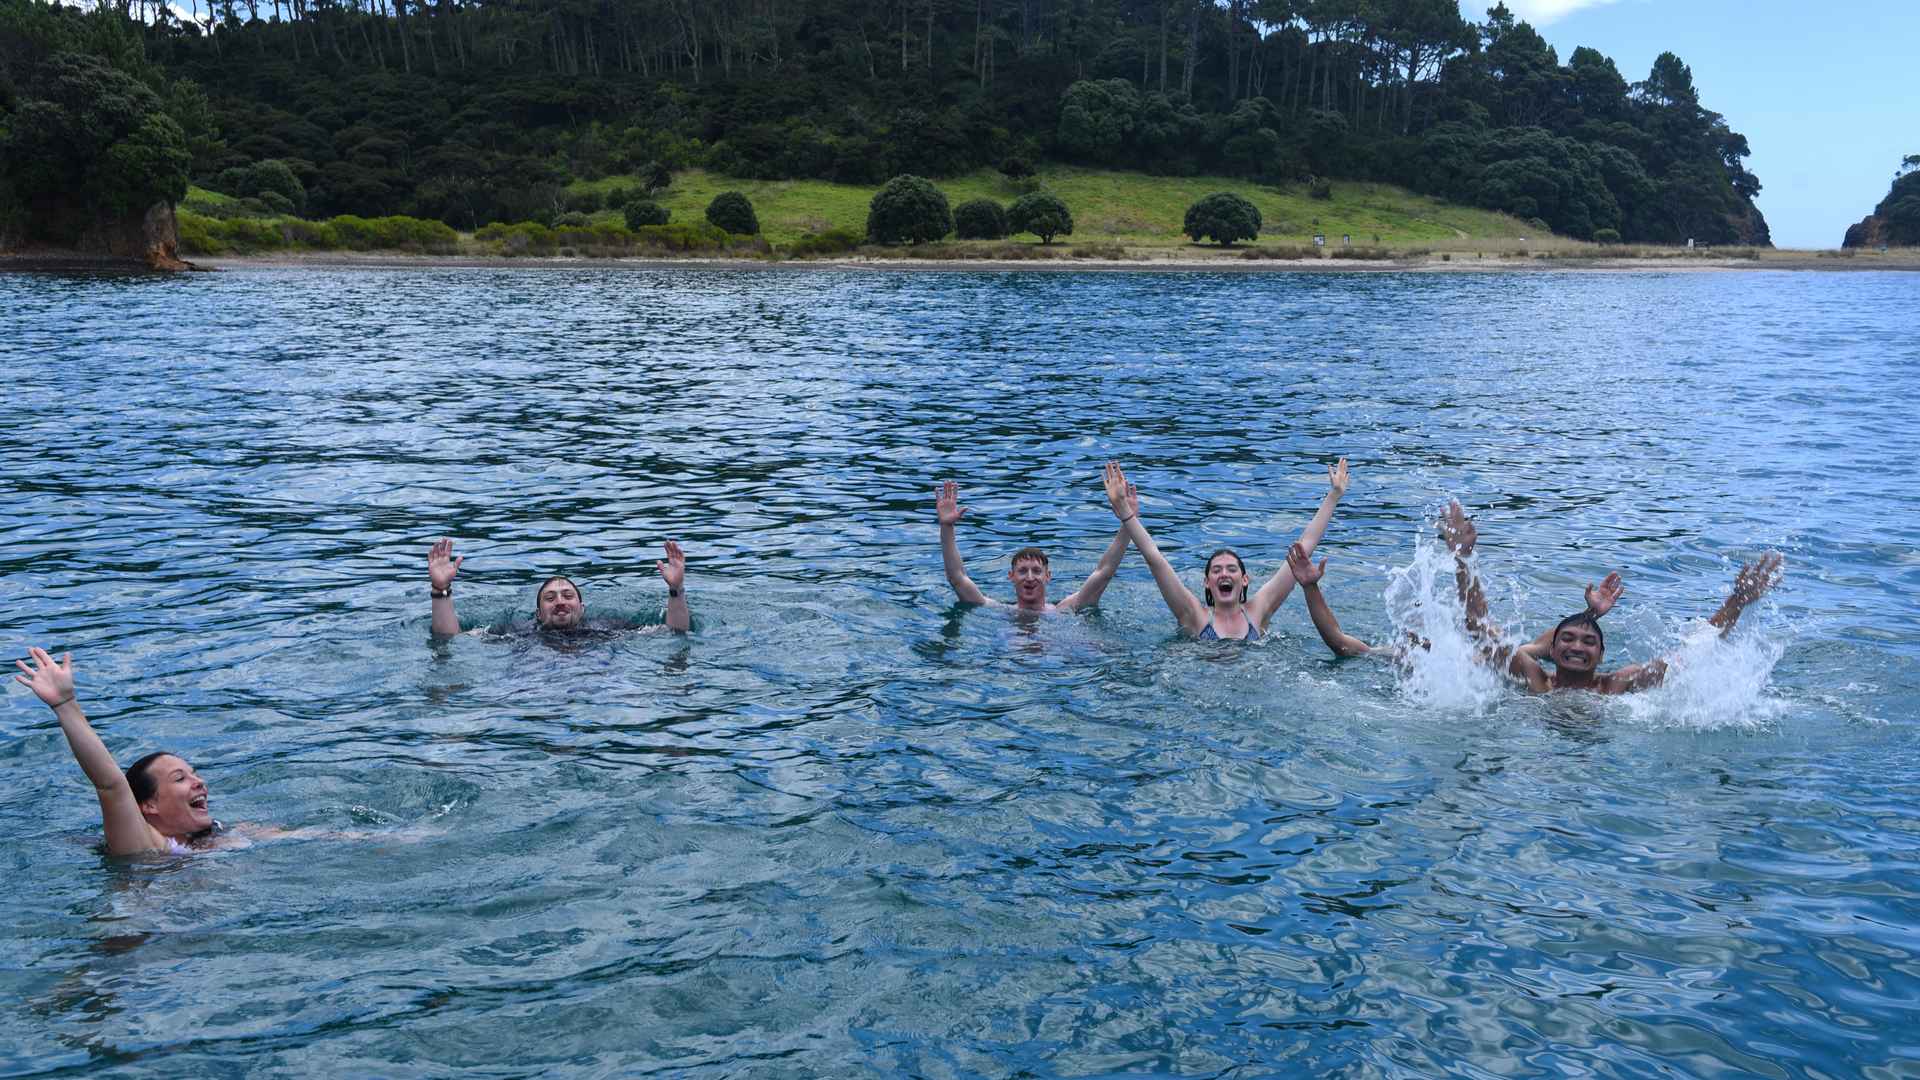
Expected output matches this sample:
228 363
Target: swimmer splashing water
158 804
1576 646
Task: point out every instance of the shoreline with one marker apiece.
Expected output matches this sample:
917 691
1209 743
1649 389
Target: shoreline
1151 260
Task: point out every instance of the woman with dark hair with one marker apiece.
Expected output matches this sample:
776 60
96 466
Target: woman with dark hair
1227 613
157 804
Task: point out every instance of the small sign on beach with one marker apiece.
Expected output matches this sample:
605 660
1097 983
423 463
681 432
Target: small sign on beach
1319 240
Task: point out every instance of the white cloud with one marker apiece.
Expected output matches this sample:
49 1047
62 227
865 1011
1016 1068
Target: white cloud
1537 12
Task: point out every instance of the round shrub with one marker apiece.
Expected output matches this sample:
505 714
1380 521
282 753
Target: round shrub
572 219
980 219
584 201
1042 214
731 211
1320 188
647 212
1223 217
1606 236
908 210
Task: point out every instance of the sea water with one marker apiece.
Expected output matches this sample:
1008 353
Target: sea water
849 828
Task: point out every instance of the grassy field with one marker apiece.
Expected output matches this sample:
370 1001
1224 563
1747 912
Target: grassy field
1132 209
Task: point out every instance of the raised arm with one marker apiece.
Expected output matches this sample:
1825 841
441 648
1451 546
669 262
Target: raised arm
441 568
947 505
1754 581
1271 595
1458 530
1125 501
127 830
1096 583
1308 576
673 571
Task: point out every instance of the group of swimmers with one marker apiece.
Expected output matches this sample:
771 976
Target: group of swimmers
159 803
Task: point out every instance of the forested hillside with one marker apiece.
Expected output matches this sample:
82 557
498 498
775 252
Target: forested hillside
484 110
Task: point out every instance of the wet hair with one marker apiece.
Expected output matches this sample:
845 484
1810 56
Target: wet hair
1238 561
142 781
1030 553
1587 619
543 588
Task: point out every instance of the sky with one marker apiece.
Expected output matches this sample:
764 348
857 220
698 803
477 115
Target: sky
1825 94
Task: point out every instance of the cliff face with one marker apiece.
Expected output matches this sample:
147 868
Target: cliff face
1871 232
150 239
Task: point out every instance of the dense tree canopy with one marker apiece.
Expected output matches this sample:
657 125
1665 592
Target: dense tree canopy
485 110
908 210
1224 218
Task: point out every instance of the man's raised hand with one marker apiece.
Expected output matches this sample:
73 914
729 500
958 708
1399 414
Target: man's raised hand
442 565
1756 578
673 569
1301 564
1602 597
947 503
1456 528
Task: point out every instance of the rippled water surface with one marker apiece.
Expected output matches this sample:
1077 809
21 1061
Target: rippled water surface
848 828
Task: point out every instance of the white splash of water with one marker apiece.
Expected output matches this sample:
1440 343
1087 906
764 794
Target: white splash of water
1424 604
1714 683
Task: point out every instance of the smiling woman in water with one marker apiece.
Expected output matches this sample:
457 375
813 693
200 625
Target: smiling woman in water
157 804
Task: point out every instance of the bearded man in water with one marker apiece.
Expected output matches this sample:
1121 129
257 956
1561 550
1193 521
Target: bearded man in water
557 604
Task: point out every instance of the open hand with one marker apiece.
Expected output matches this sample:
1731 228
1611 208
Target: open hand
947 503
1301 564
1337 477
1456 528
1756 578
673 569
442 565
50 682
1602 597
1121 494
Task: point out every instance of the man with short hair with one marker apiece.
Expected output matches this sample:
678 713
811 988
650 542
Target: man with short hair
557 604
1030 571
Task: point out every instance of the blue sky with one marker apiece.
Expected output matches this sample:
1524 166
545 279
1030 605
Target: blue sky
1825 94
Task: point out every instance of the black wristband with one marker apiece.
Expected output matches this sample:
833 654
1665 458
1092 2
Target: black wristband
675 592
439 594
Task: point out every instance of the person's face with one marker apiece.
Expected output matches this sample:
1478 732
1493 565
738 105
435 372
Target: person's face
178 806
1225 577
1030 578
1576 648
559 606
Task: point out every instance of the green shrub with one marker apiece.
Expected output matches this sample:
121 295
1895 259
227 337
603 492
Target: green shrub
1223 217
708 237
641 212
980 219
309 235
1606 236
572 218
1319 188
247 235
908 210
830 242
1042 214
199 234
583 201
1016 168
731 211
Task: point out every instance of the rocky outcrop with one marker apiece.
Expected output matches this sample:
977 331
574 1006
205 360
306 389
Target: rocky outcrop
150 239
1871 232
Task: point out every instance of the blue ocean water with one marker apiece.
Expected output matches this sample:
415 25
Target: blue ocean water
849 828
